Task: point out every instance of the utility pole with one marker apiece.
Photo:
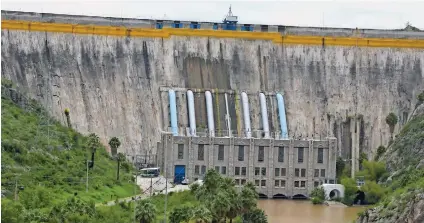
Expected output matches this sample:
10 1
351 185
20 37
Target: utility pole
86 181
151 185
166 195
135 197
16 189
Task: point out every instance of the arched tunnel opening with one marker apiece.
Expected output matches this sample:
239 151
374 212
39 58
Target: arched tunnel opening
334 194
299 197
279 196
262 196
359 198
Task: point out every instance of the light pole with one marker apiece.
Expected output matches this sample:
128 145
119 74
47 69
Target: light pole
86 181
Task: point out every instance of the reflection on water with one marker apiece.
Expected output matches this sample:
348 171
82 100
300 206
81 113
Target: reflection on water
303 211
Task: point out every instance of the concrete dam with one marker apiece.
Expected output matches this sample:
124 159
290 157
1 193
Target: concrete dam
122 77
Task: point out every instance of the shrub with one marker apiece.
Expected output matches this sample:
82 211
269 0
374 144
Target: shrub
318 195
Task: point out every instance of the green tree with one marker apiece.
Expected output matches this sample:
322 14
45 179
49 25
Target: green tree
119 158
145 211
11 211
181 214
340 165
114 143
255 216
93 143
350 190
391 120
362 157
380 151
372 170
68 118
318 195
201 215
73 210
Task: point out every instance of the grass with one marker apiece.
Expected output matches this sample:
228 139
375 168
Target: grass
48 163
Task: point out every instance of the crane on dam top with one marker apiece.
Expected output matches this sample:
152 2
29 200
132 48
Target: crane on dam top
230 21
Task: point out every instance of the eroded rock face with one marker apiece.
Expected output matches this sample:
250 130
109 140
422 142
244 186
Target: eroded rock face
408 208
111 84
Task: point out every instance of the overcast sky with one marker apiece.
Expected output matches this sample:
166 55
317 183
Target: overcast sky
349 14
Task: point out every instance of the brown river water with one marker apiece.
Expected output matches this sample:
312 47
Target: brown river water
303 211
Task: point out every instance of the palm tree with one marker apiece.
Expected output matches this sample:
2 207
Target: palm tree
68 118
114 143
145 211
201 215
93 144
119 158
181 214
255 216
391 120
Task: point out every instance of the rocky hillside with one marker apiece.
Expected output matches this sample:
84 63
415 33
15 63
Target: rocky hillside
405 160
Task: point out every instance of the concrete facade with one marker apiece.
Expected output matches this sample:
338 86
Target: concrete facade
276 167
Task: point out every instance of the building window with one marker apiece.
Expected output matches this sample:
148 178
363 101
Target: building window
303 172
277 183
316 184
243 181
261 154
203 169
296 172
241 153
316 173
243 171
257 170
331 182
280 154
303 184
237 171
217 169
263 183
322 172
300 155
237 181
283 183
224 170
296 184
263 170
320 155
196 169
277 172
180 151
283 172
257 183
201 152
221 152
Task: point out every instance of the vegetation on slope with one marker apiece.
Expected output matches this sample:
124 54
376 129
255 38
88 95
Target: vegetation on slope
45 163
402 199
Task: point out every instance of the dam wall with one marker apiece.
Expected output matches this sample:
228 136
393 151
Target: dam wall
114 84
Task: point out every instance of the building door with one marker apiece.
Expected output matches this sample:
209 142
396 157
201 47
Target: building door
179 174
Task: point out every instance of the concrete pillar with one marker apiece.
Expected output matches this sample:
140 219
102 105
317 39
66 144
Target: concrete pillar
353 151
231 158
270 184
332 157
309 167
358 126
290 171
211 154
190 168
251 169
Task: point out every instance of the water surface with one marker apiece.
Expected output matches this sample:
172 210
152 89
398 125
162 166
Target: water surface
303 211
